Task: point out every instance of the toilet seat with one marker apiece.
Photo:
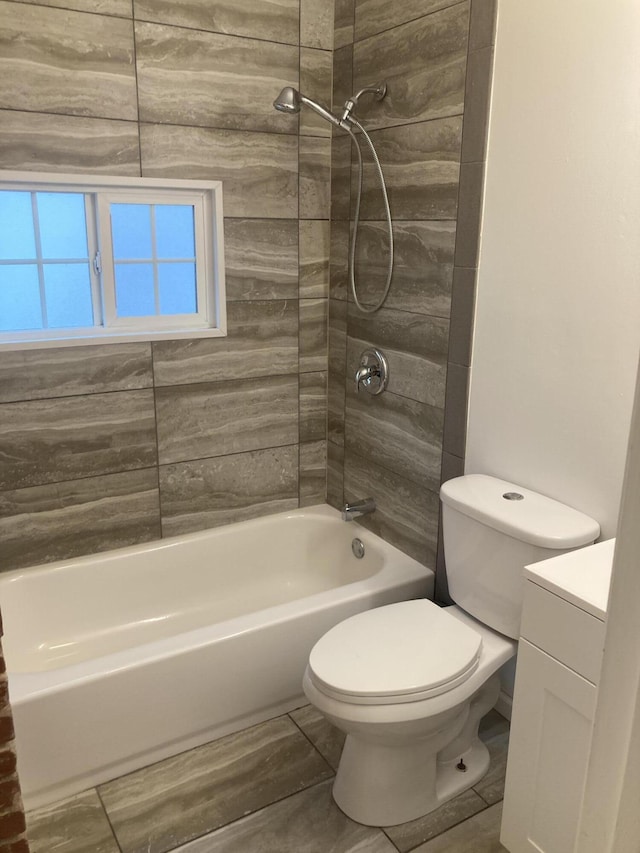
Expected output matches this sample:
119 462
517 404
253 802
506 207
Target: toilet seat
398 653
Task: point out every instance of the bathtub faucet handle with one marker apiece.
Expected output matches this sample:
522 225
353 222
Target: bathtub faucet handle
357 509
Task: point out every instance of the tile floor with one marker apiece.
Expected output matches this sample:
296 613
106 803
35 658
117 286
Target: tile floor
263 790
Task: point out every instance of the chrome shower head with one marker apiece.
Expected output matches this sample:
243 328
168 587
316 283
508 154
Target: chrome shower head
290 100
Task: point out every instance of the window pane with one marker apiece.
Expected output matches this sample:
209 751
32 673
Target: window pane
19 298
68 294
63 226
174 231
135 295
131 231
17 241
177 285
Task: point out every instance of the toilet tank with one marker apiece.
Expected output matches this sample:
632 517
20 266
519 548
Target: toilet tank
492 529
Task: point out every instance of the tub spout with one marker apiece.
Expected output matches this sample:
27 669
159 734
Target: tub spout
357 509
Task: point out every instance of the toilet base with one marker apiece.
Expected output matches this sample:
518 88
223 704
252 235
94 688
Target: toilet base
387 781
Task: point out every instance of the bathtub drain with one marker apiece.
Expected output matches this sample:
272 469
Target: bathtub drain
357 546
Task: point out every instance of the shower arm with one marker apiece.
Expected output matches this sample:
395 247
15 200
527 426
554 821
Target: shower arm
378 91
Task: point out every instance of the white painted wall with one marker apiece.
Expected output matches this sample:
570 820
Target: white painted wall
558 309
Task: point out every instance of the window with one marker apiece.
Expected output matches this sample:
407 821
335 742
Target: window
85 260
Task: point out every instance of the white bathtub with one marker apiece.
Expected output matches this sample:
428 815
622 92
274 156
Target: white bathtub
126 657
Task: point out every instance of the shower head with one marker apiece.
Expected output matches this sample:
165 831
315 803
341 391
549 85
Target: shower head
290 100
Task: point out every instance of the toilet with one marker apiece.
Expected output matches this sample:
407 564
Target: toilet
408 683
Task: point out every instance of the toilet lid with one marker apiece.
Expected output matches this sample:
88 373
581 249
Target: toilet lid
398 653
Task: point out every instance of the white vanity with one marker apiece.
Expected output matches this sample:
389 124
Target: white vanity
559 660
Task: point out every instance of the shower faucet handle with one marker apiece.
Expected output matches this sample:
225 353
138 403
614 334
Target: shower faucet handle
373 372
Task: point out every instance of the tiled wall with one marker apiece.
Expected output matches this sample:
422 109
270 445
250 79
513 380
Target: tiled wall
430 131
109 445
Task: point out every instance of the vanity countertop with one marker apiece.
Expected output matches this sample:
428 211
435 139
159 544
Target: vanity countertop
581 577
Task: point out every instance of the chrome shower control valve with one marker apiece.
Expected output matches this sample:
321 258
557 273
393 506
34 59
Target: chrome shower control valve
373 373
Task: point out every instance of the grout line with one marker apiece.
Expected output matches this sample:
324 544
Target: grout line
315 748
108 817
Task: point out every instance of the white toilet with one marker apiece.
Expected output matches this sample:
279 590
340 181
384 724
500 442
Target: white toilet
409 683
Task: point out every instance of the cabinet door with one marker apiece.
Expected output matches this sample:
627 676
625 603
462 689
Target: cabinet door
548 751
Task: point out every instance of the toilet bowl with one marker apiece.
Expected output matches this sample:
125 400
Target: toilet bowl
408 683
412 731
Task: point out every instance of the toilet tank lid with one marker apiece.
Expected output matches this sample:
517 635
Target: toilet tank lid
531 518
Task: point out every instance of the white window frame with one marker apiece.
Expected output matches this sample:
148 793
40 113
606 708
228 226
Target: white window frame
206 198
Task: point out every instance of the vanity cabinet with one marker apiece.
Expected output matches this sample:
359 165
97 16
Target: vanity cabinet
559 660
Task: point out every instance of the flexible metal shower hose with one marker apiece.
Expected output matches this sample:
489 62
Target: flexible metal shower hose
356 221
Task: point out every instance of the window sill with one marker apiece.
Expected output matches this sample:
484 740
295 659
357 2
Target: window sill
111 337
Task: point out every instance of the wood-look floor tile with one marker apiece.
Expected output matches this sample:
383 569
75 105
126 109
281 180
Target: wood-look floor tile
261 259
262 183
262 340
211 492
45 142
309 821
423 63
48 441
61 520
219 418
406 836
192 77
170 803
275 20
60 61
406 514
77 825
326 738
478 834
70 371
494 731
422 270
313 473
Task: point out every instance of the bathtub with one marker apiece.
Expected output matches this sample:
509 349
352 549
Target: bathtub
123 658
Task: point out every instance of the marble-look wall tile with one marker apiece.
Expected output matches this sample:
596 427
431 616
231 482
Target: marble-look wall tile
58 61
470 212
340 178
54 522
335 409
455 424
262 340
275 20
70 371
120 8
190 77
415 346
314 258
462 308
47 441
406 514
315 178
316 23
220 418
482 28
343 23
307 821
76 825
374 16
423 63
261 259
42 142
169 803
211 492
337 337
400 434
421 163
313 473
477 99
335 475
313 406
313 335
262 183
342 78
339 259
422 270
315 82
